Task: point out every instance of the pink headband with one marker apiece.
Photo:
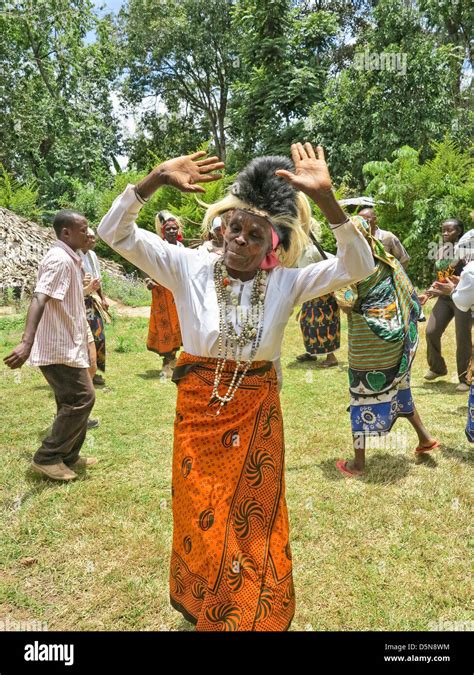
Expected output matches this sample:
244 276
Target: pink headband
271 259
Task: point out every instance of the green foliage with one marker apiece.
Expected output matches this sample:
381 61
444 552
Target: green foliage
283 65
240 78
17 197
183 52
401 88
130 290
172 134
57 120
124 345
419 195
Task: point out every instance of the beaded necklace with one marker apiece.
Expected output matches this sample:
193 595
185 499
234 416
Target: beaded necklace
229 340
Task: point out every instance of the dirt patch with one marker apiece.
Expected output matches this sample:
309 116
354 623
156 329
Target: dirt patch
125 310
119 308
9 311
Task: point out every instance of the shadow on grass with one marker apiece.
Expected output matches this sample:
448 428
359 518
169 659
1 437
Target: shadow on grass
43 387
380 468
466 456
426 459
186 626
440 387
40 483
316 365
150 374
462 410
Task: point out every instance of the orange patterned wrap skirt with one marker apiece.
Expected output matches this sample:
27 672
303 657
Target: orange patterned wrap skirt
231 564
164 332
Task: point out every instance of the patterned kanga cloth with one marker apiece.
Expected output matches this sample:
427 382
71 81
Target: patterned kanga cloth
231 564
383 338
164 332
321 325
96 324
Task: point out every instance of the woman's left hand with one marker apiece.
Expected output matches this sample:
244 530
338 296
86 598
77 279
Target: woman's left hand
311 174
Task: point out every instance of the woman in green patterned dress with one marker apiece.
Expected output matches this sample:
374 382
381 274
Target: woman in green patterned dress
383 338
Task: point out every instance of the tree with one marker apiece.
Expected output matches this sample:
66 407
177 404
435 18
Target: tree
414 197
169 135
183 54
284 59
400 89
57 120
453 22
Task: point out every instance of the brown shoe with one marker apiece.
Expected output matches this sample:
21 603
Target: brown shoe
431 375
84 462
57 471
462 386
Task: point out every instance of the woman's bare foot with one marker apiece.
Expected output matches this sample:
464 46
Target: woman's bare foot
353 467
349 468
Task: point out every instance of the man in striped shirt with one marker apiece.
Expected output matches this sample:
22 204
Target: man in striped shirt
55 340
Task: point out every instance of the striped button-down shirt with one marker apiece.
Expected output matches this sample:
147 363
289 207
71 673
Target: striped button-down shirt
61 336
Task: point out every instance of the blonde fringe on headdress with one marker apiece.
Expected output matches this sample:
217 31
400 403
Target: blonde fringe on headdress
298 226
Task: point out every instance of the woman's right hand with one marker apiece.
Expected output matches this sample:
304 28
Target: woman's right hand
184 172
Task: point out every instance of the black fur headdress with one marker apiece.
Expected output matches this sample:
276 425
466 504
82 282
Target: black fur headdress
258 187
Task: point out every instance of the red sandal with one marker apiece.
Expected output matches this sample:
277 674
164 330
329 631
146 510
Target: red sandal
420 449
341 465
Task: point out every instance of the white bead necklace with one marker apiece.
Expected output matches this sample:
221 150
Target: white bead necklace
229 340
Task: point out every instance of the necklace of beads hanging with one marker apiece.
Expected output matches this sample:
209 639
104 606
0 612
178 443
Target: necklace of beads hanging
231 342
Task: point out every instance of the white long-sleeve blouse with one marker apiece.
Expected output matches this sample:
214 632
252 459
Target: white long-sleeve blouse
189 274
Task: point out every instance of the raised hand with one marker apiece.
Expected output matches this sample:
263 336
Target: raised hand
311 172
311 176
184 172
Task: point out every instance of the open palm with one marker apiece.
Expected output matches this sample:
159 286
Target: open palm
311 173
184 172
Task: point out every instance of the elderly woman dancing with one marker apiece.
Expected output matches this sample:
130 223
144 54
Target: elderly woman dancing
231 563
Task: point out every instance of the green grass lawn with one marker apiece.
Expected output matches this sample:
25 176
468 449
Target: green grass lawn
390 551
